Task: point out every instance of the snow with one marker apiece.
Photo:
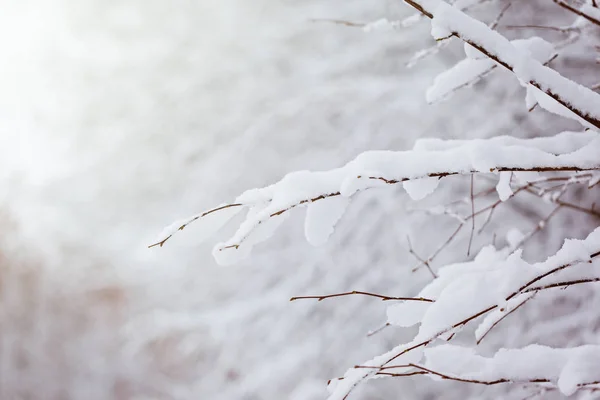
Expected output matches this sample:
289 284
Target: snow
466 72
499 313
381 25
514 237
381 168
503 186
568 369
262 229
477 65
447 19
494 282
562 143
418 189
591 11
117 117
321 217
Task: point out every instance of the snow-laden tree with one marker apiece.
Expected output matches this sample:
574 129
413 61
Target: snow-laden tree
118 115
491 279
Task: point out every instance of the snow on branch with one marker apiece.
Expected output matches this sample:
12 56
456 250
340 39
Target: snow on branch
589 12
574 100
328 193
496 281
568 369
473 68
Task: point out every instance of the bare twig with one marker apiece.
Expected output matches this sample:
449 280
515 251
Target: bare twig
425 262
495 23
442 246
577 11
182 227
562 284
339 22
501 319
539 226
553 28
357 292
376 331
472 218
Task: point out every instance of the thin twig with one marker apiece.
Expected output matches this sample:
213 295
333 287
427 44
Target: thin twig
553 28
562 284
501 319
425 262
376 331
357 292
182 227
339 22
494 24
472 217
539 226
577 11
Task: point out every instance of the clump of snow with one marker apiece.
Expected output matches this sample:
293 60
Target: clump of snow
477 65
568 369
418 189
321 217
573 97
381 25
423 166
514 237
503 187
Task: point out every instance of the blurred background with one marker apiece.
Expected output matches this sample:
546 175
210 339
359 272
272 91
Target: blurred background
117 117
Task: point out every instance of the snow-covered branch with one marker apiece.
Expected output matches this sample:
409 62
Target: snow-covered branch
583 103
327 193
568 370
494 283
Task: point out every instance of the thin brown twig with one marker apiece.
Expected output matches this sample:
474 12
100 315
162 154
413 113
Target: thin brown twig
503 317
472 217
577 11
339 22
563 203
491 208
495 23
425 262
471 318
563 284
538 227
388 367
376 331
182 227
553 28
391 374
442 246
357 292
